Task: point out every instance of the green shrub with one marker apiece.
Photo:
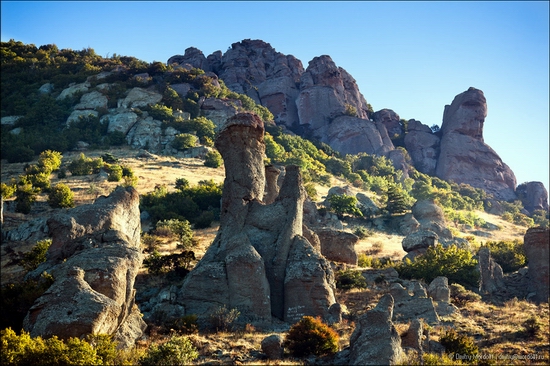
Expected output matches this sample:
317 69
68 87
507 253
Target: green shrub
115 173
37 255
204 220
349 279
61 196
25 195
222 318
84 165
184 141
510 255
213 159
187 324
458 344
177 351
181 229
460 296
310 336
457 264
177 262
49 161
533 327
344 204
24 350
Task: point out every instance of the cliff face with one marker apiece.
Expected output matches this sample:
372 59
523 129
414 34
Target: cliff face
323 101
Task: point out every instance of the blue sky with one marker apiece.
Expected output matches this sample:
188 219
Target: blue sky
412 57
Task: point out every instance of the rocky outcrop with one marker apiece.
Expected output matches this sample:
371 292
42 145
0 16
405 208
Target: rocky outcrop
464 157
415 306
92 100
390 120
375 340
423 146
139 97
259 262
491 277
94 257
338 246
533 195
536 245
430 216
219 110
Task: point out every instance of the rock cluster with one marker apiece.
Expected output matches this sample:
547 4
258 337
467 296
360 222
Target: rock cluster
94 257
259 263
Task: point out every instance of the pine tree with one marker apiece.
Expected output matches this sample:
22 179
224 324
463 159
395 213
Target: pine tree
397 200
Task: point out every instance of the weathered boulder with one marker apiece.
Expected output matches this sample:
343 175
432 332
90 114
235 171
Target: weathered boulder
146 134
533 195
122 121
418 305
139 97
352 135
367 206
259 262
423 146
9 120
193 57
338 246
46 88
375 340
272 347
92 100
430 216
464 157
491 277
73 89
390 119
536 244
420 239
439 289
413 338
94 257
77 114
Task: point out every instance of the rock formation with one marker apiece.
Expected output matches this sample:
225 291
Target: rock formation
533 195
415 306
338 246
536 244
375 340
94 257
464 157
423 146
491 277
259 262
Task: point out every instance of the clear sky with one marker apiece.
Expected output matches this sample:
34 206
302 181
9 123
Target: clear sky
412 57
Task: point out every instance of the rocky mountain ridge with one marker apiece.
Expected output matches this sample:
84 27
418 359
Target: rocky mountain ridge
323 102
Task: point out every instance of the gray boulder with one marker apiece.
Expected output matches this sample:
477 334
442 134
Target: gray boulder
375 340
138 97
94 257
415 306
338 246
533 195
92 100
272 347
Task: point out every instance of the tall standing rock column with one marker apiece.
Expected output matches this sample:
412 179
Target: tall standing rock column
464 156
536 244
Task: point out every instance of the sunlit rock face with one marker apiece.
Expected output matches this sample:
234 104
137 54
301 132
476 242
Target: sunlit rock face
464 157
260 263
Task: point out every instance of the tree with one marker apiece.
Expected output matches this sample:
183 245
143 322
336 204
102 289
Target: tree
397 200
25 196
61 196
7 191
180 228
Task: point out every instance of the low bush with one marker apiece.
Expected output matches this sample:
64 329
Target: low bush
457 264
178 350
458 344
510 255
461 296
222 318
348 279
213 159
310 336
24 350
37 255
61 196
179 228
